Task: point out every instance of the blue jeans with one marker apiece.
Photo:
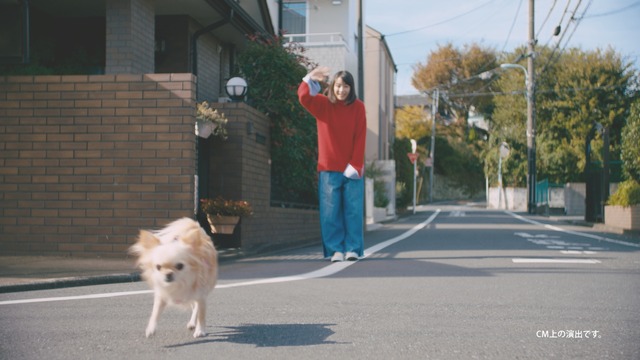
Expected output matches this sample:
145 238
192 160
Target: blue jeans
341 213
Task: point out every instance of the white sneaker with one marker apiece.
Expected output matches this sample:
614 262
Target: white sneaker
351 256
337 256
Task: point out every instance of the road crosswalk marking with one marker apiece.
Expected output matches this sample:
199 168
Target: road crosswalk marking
553 242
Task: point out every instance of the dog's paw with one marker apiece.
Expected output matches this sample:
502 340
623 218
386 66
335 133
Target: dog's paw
191 325
199 333
151 330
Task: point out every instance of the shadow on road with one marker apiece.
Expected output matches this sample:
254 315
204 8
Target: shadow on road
271 335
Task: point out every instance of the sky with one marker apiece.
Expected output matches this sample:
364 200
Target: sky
414 28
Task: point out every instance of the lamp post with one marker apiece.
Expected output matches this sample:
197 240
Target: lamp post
236 88
531 135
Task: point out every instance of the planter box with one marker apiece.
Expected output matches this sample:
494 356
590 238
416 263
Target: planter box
623 217
223 224
204 129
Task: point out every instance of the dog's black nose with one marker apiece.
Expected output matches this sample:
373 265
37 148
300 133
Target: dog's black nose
168 277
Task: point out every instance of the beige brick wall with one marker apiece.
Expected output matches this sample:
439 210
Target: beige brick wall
86 161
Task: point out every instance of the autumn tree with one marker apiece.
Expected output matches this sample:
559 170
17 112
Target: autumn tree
455 72
412 122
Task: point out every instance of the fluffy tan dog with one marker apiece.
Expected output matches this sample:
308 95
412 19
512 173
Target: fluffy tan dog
180 264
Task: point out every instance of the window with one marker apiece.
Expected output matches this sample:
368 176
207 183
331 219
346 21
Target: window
294 19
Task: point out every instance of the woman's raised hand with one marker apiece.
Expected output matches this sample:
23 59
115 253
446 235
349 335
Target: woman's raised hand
319 74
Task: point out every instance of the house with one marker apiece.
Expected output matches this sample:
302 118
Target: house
97 124
330 31
380 71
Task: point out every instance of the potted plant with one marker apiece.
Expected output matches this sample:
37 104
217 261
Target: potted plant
210 121
223 214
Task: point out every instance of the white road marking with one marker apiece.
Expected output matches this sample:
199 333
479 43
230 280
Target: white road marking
554 261
566 248
555 228
81 297
323 272
574 252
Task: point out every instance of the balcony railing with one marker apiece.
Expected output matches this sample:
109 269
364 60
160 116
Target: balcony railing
317 39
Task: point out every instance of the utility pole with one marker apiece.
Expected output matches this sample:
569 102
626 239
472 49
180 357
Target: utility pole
360 52
531 116
434 112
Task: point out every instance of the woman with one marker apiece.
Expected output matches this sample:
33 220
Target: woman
342 128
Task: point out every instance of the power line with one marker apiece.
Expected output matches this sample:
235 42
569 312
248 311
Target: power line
612 12
547 17
441 22
513 23
552 58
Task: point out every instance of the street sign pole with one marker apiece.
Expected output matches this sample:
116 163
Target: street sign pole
414 157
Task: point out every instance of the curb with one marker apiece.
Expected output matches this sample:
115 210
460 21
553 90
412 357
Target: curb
77 281
71 282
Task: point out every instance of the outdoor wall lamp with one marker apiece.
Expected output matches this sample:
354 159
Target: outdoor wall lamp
236 88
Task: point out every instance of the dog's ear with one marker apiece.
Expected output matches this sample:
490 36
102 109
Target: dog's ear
194 238
147 240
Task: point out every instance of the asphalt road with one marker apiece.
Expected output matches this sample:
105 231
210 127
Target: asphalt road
459 283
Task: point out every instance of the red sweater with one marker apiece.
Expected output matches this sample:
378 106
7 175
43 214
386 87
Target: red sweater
342 131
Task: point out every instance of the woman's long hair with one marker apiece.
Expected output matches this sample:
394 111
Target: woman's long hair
347 78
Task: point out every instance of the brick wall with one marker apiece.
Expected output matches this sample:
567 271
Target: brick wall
240 169
86 161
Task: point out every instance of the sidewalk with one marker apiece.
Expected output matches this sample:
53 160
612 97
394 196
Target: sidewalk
26 273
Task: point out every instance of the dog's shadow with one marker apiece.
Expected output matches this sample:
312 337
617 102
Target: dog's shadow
270 335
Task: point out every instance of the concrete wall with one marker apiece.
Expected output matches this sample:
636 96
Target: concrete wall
574 199
514 199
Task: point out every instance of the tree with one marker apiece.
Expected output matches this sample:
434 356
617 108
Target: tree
631 144
455 72
412 122
574 92
457 147
274 72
